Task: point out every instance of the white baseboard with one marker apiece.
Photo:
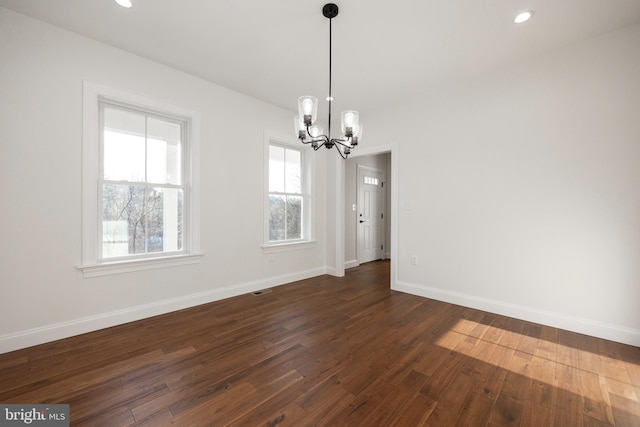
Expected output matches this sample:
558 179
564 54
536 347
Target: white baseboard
41 335
593 328
351 264
48 333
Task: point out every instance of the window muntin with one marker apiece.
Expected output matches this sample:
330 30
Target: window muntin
287 198
141 192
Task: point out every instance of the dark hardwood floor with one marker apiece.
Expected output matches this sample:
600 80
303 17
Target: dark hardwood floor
331 351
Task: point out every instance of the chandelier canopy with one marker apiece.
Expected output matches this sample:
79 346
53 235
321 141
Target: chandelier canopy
310 133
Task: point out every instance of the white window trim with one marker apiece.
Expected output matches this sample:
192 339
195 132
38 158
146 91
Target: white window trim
91 266
308 165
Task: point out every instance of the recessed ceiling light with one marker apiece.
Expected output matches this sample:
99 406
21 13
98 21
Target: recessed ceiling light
523 16
124 3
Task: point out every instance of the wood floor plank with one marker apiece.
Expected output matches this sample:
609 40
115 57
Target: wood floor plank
476 410
534 415
9 364
625 418
160 418
548 342
596 403
333 351
211 411
415 412
290 416
517 380
541 391
450 403
568 409
277 409
440 381
507 411
326 401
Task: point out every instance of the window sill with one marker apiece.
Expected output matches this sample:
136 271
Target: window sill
289 246
118 267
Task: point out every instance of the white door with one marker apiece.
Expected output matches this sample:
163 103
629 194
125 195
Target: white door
369 214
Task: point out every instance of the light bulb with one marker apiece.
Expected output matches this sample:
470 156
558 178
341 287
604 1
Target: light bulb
348 119
307 106
124 3
315 131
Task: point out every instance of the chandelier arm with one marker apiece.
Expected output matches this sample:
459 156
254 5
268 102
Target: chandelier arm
311 141
317 146
344 156
323 141
322 137
347 143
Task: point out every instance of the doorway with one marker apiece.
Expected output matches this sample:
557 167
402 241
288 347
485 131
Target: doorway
344 252
368 199
370 214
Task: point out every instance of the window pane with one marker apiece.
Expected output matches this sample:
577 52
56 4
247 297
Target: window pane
294 217
124 145
277 211
370 180
136 221
164 219
123 225
276 169
174 242
163 152
154 216
293 170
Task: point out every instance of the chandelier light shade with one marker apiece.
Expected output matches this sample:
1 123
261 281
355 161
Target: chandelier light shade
308 108
310 133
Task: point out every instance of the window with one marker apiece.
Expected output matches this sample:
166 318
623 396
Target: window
288 213
370 180
142 187
143 212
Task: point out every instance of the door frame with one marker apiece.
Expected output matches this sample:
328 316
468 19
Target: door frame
392 148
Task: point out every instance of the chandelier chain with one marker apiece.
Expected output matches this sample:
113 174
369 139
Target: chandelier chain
330 94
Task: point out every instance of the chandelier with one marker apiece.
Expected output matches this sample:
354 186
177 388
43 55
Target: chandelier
310 133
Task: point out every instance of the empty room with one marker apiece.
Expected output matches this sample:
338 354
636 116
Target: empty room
307 213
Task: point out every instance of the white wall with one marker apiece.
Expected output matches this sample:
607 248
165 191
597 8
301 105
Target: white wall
519 190
44 296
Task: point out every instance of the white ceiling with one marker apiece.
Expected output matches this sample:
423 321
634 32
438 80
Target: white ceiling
382 51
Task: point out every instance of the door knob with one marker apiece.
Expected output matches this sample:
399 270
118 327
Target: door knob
361 221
